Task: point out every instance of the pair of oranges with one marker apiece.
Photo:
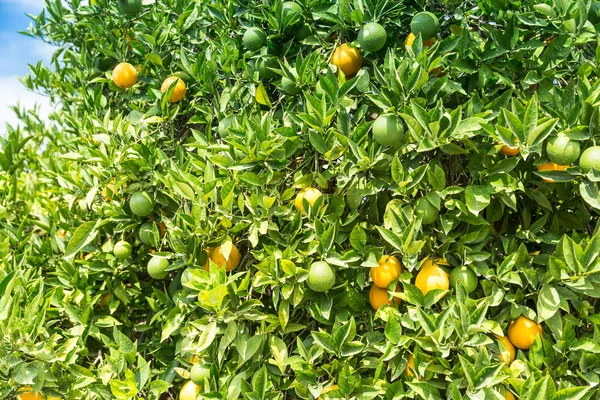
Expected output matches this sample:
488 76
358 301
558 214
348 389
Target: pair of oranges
125 76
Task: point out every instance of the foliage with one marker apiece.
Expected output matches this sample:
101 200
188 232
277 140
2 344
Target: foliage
78 323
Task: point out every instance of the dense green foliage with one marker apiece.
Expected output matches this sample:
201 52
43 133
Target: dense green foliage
222 167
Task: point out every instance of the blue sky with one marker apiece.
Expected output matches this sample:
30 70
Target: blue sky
16 52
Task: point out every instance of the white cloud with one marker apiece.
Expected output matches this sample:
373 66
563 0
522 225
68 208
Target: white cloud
13 92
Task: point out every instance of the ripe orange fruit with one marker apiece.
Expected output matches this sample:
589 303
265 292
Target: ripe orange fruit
510 151
347 59
523 331
410 365
410 39
509 396
389 269
328 389
178 91
231 262
512 352
310 194
550 166
125 75
431 277
104 300
379 297
26 393
189 391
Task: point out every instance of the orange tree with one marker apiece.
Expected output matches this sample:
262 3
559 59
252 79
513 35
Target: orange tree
205 218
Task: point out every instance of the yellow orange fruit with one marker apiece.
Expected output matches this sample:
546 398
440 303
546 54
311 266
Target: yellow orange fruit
178 91
104 300
410 363
189 391
523 331
509 395
379 297
430 277
125 75
310 194
231 262
389 269
510 151
328 389
550 166
410 39
347 59
512 352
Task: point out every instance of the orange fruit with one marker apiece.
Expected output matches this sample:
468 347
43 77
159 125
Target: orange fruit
523 331
347 59
410 39
104 300
310 194
230 262
509 396
550 166
430 277
512 352
410 363
510 151
379 297
178 91
389 269
125 75
328 389
189 391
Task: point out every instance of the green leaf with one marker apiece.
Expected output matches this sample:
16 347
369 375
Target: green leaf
262 96
82 236
548 302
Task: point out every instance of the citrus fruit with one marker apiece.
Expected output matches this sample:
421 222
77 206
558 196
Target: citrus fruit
122 250
509 396
590 158
431 277
321 277
388 270
379 297
231 262
430 213
328 389
189 391
347 59
141 204
510 151
562 150
291 9
508 346
466 276
410 39
146 234
523 331
224 124
199 372
254 38
425 23
551 167
157 267
130 7
26 393
310 194
124 75
178 91
372 37
410 366
388 130
263 64
290 86
104 300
